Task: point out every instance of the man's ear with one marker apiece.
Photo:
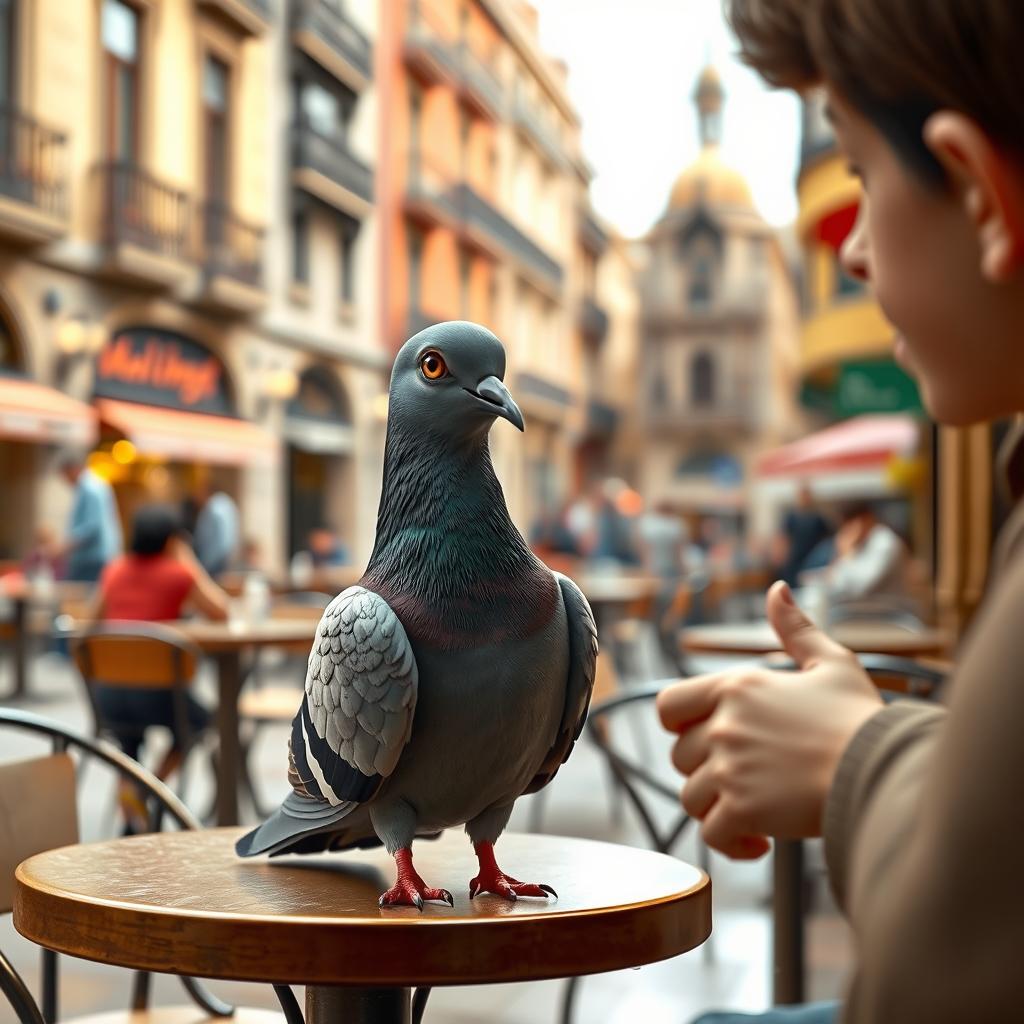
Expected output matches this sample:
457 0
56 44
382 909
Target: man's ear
991 186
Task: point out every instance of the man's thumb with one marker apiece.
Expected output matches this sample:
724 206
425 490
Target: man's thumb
801 638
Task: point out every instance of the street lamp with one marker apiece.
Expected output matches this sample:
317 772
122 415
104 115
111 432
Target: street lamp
78 338
279 384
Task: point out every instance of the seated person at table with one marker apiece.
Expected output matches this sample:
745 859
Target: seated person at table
155 581
918 803
871 565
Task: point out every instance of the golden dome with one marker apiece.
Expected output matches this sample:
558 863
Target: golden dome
711 181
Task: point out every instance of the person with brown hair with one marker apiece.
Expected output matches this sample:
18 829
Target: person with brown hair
919 805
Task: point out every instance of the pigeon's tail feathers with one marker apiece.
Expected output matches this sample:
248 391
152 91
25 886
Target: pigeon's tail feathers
298 825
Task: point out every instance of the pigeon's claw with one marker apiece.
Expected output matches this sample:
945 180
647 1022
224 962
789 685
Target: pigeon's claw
410 890
493 880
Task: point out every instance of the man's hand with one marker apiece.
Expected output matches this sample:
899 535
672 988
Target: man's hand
759 747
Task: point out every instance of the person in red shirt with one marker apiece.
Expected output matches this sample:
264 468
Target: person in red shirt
157 580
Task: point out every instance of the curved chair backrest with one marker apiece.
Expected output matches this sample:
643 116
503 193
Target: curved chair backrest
135 654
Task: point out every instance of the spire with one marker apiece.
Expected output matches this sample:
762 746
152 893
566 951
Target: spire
709 97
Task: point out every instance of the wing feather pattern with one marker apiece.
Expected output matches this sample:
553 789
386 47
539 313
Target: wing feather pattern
357 713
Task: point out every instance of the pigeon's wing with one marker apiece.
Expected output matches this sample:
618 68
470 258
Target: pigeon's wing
579 684
357 713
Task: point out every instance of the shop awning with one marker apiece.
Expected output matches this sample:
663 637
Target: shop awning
189 436
865 442
34 412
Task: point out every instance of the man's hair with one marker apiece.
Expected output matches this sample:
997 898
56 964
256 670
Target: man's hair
152 527
897 61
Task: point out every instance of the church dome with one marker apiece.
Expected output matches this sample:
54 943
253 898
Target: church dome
709 180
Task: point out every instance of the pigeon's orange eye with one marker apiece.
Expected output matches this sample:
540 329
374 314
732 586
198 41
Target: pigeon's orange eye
433 366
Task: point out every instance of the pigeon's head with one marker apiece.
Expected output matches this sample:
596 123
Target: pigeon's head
447 380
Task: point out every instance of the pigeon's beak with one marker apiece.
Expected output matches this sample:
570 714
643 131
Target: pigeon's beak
494 392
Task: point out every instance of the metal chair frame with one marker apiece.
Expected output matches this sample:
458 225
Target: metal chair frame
163 801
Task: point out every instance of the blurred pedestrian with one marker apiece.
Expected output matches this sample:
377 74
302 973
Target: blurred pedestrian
155 581
803 529
94 529
216 533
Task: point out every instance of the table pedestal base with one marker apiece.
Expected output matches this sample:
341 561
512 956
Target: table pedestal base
331 1004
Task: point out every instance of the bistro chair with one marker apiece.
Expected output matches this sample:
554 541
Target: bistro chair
261 703
140 656
50 820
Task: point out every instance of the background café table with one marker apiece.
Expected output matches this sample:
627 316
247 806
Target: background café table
758 638
224 643
181 902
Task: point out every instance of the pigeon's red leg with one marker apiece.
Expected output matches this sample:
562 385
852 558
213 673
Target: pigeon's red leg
410 890
492 879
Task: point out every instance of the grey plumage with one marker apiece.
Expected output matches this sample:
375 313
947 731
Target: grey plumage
456 676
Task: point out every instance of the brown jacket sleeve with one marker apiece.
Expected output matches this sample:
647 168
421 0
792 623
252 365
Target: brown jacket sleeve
924 836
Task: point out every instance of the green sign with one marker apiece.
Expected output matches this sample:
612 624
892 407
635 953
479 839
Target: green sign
863 387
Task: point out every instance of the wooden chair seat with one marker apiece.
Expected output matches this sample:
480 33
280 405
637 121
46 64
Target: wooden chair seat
270 704
181 1015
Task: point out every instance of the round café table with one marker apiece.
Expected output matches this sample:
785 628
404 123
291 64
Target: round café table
758 638
183 903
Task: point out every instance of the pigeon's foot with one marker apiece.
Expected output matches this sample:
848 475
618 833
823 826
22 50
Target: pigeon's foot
410 890
492 879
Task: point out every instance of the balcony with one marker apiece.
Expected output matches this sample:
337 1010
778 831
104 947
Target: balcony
530 385
326 168
726 416
427 51
532 124
321 29
33 179
478 86
144 225
592 236
249 17
429 198
482 221
231 257
417 320
593 320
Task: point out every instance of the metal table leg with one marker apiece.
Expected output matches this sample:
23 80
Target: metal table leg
19 649
229 681
327 1004
788 925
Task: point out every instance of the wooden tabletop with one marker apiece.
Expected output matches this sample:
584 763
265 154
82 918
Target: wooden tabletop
216 637
617 589
182 902
758 638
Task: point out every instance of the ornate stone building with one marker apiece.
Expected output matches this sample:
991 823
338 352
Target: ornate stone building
719 334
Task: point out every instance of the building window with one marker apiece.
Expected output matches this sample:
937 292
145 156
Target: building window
216 91
700 283
415 268
120 35
465 270
300 247
349 231
8 34
659 393
702 380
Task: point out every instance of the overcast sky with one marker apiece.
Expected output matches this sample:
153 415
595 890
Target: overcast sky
632 69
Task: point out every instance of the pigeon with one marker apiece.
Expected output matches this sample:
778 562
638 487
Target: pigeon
456 675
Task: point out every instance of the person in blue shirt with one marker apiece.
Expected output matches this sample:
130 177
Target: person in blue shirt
216 537
94 530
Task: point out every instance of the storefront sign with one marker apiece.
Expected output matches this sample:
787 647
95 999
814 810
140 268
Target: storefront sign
875 387
158 367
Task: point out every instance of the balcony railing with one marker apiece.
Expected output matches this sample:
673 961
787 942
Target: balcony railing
593 319
529 384
479 83
33 163
426 45
332 158
479 213
532 122
592 235
251 16
139 209
230 246
429 188
326 19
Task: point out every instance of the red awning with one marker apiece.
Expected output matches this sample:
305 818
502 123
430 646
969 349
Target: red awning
189 436
866 442
34 412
